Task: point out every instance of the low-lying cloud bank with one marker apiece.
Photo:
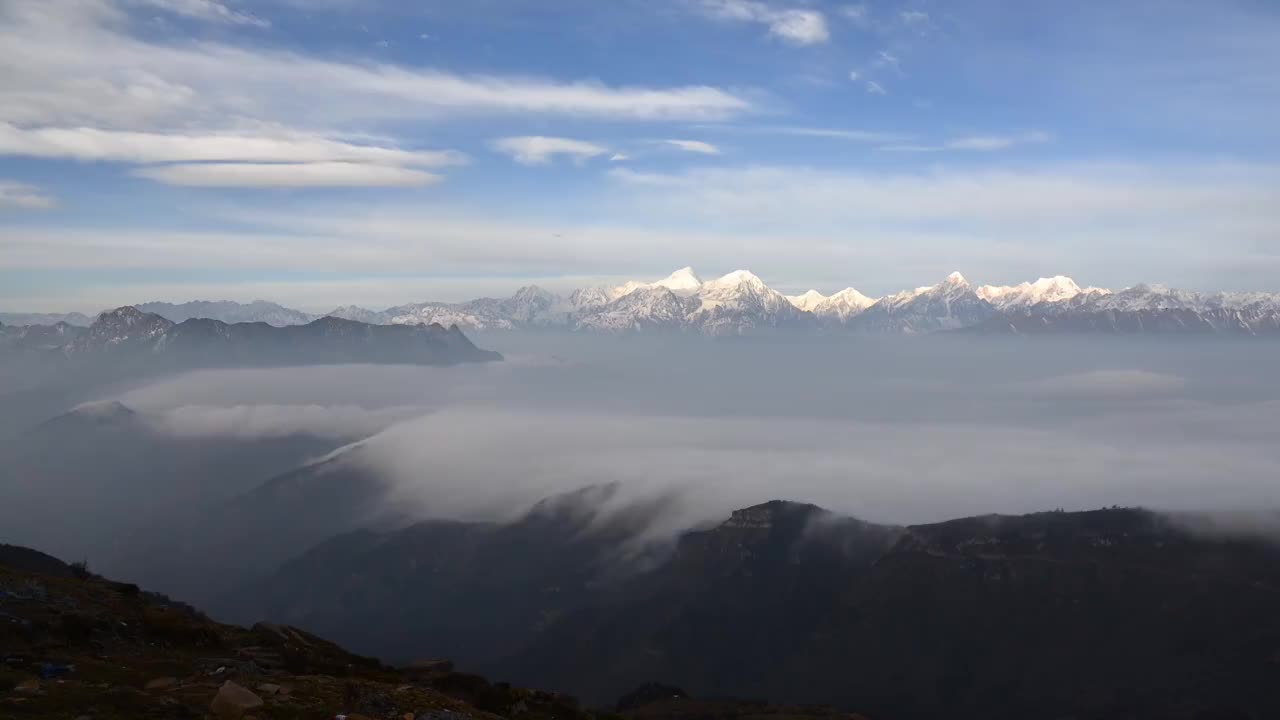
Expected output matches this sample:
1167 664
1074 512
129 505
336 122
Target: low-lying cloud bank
901 431
492 464
269 421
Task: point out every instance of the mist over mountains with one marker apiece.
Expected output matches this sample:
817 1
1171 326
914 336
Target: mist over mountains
597 512
740 303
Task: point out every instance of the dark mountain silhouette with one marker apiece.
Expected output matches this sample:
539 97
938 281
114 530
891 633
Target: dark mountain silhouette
127 339
103 481
1105 614
205 342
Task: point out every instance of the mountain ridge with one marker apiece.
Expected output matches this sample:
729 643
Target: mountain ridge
788 600
741 303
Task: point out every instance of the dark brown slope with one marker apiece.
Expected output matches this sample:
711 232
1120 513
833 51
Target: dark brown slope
80 646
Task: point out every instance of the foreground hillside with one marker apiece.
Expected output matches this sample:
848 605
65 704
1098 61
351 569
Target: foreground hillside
79 646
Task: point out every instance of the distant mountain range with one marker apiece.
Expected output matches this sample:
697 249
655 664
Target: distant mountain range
740 303
129 336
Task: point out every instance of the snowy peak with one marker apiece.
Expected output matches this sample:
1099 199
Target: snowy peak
954 280
807 301
844 304
738 279
681 282
1024 295
684 279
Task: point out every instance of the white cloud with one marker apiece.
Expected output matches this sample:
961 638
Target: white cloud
997 142
914 17
802 27
854 75
796 26
309 174
977 143
619 157
694 146
886 59
208 11
14 194
793 223
875 88
83 143
1107 384
539 149
868 136
258 421
77 64
858 14
1123 196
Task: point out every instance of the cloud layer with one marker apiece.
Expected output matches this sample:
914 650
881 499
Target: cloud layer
923 430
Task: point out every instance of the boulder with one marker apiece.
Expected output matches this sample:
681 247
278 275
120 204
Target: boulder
232 701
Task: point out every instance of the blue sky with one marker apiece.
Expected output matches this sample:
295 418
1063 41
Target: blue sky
326 152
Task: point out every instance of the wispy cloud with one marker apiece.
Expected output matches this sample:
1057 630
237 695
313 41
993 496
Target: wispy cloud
279 145
875 88
793 25
77 64
311 174
859 15
867 136
914 17
14 194
208 11
886 59
539 149
976 143
694 146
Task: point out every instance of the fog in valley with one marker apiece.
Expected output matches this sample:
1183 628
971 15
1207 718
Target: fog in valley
904 430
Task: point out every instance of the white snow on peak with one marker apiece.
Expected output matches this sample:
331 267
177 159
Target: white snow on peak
844 304
807 301
736 278
1054 289
955 278
852 297
683 279
681 282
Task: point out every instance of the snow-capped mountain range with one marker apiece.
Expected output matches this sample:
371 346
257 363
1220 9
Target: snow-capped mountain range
741 303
